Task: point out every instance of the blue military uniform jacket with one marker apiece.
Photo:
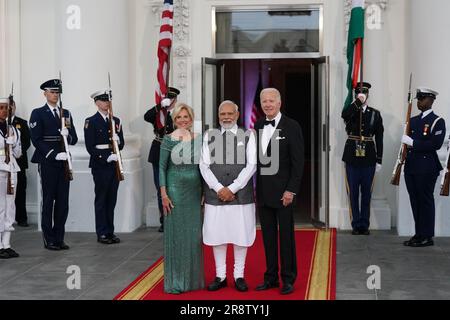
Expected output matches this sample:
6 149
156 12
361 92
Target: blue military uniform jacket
98 141
428 135
372 126
46 136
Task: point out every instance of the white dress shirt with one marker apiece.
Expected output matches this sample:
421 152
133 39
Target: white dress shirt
425 113
268 132
235 224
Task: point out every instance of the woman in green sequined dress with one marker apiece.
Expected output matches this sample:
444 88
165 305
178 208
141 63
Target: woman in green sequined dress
181 196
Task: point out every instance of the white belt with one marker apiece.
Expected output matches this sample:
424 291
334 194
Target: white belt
2 152
102 147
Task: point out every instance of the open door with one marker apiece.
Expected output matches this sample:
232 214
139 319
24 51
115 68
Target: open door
212 91
320 110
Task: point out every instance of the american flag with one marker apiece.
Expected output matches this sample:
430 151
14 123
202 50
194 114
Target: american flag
256 108
164 47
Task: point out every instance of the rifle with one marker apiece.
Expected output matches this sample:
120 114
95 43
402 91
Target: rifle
64 144
401 158
8 148
112 133
445 183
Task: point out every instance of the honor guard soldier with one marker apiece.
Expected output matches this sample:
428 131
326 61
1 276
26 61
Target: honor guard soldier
10 150
21 194
363 155
47 137
422 166
160 117
99 139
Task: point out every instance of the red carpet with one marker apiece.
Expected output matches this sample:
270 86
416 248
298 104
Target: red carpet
316 280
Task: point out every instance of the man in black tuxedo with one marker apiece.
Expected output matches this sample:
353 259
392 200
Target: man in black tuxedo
280 169
21 195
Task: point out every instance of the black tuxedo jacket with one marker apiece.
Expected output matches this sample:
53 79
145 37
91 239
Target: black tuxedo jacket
270 188
22 125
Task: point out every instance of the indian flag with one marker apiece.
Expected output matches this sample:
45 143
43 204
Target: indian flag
354 47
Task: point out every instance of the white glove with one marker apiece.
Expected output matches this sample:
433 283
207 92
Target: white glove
407 140
378 167
62 156
166 102
5 167
64 132
116 137
362 97
11 140
112 157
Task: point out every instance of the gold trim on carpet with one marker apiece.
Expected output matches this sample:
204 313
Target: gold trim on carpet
146 284
320 274
319 278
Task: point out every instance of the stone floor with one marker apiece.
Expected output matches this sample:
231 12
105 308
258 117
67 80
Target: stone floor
406 273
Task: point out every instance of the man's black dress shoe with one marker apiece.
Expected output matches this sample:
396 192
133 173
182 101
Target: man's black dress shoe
241 285
64 246
409 242
424 242
364 232
52 246
287 288
356 232
23 224
217 284
11 253
267 285
104 239
4 254
161 228
114 238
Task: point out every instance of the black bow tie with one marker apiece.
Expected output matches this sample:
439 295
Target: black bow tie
267 122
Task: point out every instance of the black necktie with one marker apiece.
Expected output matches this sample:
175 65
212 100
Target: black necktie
56 116
267 122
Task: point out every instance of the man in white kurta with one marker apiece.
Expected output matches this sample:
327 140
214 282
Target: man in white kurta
9 141
227 164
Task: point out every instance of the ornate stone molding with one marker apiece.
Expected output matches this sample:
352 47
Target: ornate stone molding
181 51
382 4
373 15
181 20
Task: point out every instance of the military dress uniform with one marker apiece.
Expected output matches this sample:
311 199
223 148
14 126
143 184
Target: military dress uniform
21 196
99 146
45 126
7 205
363 151
422 168
153 157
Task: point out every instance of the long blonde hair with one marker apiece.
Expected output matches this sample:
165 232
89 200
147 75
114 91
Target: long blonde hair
180 107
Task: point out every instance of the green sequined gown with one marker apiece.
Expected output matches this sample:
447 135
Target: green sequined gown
183 255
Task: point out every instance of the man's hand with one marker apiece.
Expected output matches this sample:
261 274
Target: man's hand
407 140
226 195
166 102
362 97
378 167
11 140
288 198
62 156
64 132
112 157
116 138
